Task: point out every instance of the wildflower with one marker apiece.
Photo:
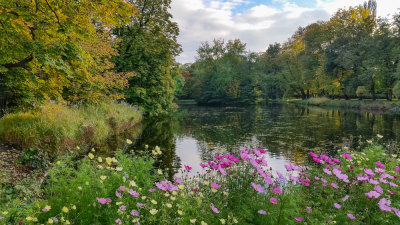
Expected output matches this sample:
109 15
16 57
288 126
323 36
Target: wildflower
173 198
208 183
73 207
140 205
45 209
213 208
215 185
334 185
257 187
152 190
384 205
180 212
132 183
203 223
67 222
222 221
134 213
91 156
336 205
122 208
108 160
153 211
58 162
181 186
273 201
192 220
50 221
347 156
154 202
261 212
351 216
103 177
102 200
298 219
119 195
277 191
65 209
203 165
379 136
122 188
188 168
129 142
118 221
166 186
345 198
380 165
133 193
119 168
309 209
168 205
373 194
159 171
369 141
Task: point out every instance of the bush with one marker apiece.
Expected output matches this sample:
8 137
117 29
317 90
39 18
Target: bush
56 128
363 92
396 90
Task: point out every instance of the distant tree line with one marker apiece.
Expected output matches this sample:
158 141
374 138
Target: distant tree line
353 55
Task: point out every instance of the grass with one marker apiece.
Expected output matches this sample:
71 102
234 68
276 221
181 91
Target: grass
57 128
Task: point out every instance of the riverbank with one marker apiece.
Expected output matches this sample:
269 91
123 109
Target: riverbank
376 105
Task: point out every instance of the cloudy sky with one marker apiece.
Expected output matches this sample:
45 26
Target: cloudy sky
256 22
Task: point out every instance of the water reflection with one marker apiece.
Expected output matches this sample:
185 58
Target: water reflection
195 134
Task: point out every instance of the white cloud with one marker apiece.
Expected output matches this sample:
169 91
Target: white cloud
258 26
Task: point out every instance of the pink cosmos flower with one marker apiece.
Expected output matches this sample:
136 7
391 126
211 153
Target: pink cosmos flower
134 213
152 190
118 221
336 205
334 185
384 205
257 187
273 201
133 193
369 172
119 195
261 212
345 198
380 165
277 190
215 185
100 200
347 156
373 194
213 208
378 189
298 219
122 188
188 168
398 170
122 207
351 216
177 180
203 165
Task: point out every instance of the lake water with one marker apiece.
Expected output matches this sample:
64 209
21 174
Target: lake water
194 134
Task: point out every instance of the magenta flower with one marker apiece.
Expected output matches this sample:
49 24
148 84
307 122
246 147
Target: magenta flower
261 212
351 216
134 213
398 170
141 205
108 201
257 187
347 156
273 201
213 208
369 172
133 193
188 168
336 205
203 165
345 198
100 200
122 208
215 185
277 191
334 185
118 221
380 165
298 219
118 194
152 190
166 185
122 188
384 204
373 194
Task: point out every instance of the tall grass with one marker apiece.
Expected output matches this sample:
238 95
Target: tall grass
56 128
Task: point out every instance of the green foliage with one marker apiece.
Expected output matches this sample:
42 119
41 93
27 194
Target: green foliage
330 58
35 158
396 90
55 128
49 46
148 47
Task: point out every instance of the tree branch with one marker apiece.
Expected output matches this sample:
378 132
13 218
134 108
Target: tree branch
21 63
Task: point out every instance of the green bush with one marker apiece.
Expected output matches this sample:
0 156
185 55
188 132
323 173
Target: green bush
396 90
56 128
363 92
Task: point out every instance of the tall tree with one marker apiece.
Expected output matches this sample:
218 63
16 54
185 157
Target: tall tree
148 47
45 48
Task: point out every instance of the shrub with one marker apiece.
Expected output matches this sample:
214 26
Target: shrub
56 128
363 92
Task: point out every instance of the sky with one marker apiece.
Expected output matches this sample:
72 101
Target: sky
257 23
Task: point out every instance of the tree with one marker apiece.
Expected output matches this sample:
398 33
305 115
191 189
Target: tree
148 47
45 48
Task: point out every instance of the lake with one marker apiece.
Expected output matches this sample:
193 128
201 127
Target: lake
194 133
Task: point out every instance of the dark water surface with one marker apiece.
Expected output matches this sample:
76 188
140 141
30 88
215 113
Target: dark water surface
194 134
